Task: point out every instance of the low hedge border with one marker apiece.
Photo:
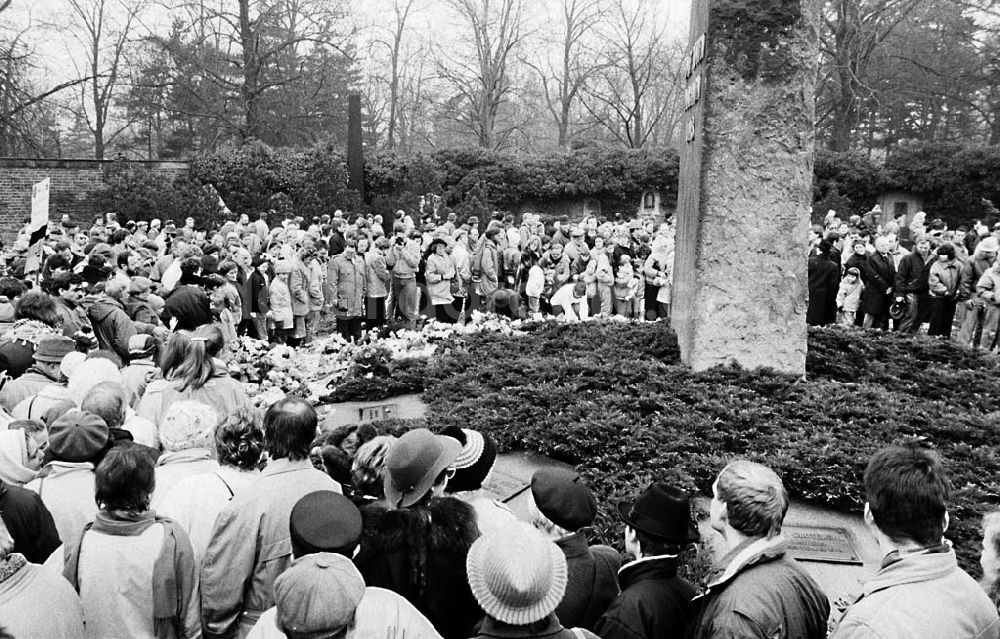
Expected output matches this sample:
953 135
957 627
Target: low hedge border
614 400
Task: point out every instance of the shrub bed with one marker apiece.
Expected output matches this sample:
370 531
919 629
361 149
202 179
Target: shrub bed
613 399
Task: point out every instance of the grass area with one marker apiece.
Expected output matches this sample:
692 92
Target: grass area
613 399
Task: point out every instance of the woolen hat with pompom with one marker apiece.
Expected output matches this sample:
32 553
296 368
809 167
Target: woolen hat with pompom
516 574
474 463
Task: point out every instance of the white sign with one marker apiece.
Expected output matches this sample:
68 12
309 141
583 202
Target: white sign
38 228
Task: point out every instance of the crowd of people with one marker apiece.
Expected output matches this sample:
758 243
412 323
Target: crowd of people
275 282
260 529
865 273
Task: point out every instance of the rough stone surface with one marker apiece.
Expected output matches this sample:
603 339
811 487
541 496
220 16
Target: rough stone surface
72 180
740 282
347 413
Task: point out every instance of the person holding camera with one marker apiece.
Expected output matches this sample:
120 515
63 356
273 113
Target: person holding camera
403 258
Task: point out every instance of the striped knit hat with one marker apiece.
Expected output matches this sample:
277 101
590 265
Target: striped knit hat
474 463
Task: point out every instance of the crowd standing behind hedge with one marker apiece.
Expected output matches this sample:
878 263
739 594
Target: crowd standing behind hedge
863 273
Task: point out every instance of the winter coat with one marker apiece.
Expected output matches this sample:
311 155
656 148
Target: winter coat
592 581
924 595
139 310
879 276
489 268
298 284
27 385
281 302
221 392
988 286
30 523
944 279
377 276
251 546
257 292
135 377
972 272
759 591
824 283
175 466
348 283
849 295
404 260
441 534
912 275
189 305
74 318
438 275
37 603
381 614
463 271
317 281
652 603
112 326
67 490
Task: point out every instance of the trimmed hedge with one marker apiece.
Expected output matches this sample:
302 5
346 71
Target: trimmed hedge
613 399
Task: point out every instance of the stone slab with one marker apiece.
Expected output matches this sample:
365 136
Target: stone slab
511 479
349 413
825 544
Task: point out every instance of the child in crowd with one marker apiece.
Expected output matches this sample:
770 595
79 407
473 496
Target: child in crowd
849 297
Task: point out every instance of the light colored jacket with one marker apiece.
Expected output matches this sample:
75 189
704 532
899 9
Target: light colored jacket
924 595
490 268
381 614
348 282
251 546
378 278
404 260
221 392
67 490
298 283
317 280
945 278
849 295
36 603
988 286
438 275
174 467
463 271
281 302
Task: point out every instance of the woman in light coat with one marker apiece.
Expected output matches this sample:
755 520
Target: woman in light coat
463 271
378 280
281 301
439 272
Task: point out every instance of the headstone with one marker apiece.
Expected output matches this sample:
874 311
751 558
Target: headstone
740 275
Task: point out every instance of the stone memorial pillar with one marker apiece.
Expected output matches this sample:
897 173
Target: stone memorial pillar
746 172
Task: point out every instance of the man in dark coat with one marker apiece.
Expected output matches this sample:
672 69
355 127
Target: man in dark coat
880 279
564 506
29 522
912 285
188 303
824 282
757 589
654 600
111 323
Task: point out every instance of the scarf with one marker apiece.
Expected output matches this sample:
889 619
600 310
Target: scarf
13 453
28 330
174 570
10 566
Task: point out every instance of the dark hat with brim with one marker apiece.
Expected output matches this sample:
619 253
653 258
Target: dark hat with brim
661 511
415 460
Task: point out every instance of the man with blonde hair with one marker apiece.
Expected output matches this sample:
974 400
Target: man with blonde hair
757 590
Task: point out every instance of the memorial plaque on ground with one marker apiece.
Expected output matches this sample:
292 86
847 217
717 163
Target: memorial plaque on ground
504 486
376 412
821 543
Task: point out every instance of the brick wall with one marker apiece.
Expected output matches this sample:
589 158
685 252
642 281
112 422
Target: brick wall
71 181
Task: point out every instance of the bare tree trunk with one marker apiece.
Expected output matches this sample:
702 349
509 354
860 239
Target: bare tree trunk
251 74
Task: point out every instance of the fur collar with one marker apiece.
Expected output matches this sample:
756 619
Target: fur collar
445 524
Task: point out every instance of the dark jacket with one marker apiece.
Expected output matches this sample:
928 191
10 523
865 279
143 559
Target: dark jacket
912 274
759 592
652 604
260 302
824 282
879 275
139 310
859 262
112 326
29 521
189 305
972 271
548 628
394 541
592 582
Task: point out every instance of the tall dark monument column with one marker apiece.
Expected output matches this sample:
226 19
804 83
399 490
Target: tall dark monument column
740 276
355 151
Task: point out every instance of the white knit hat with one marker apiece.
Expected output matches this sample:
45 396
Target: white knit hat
188 424
517 575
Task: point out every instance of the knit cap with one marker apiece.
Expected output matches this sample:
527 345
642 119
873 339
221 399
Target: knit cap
188 424
77 436
517 575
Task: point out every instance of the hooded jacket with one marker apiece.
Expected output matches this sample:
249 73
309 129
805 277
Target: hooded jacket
420 553
112 326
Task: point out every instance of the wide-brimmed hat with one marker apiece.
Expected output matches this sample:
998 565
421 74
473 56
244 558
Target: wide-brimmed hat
661 511
516 574
414 462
